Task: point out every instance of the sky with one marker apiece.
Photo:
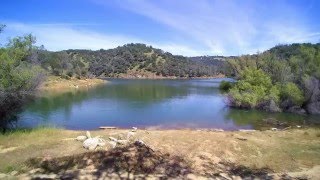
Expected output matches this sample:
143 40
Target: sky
182 27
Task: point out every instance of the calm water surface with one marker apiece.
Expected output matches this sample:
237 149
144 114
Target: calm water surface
147 103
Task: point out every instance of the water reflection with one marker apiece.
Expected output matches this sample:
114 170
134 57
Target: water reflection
145 103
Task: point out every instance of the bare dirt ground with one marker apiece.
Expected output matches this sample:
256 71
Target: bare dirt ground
182 154
57 84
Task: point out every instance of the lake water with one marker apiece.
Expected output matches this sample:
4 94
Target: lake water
166 104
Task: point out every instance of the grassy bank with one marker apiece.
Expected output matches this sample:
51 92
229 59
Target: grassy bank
271 151
54 83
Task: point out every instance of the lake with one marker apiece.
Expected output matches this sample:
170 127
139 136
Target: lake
162 104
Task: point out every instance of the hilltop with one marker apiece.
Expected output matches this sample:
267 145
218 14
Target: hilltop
131 61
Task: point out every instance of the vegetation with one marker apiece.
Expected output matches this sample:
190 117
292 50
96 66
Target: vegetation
138 58
19 75
286 77
225 86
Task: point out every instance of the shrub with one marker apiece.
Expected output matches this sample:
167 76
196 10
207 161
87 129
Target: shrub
254 89
225 86
292 93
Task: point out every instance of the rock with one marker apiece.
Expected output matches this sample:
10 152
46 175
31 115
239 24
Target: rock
313 108
2 176
113 139
134 129
91 143
101 142
33 171
123 142
298 126
81 138
247 130
139 143
217 130
130 134
272 107
225 176
113 144
13 173
274 129
44 176
88 134
296 109
236 177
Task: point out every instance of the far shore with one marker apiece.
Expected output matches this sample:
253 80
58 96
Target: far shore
199 153
54 83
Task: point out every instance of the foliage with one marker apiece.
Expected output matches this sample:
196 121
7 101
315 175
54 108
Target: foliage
294 71
131 57
18 77
292 93
225 86
254 88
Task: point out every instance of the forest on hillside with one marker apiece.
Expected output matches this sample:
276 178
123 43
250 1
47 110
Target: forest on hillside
284 78
133 57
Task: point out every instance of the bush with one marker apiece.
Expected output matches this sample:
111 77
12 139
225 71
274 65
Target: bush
254 89
291 92
225 86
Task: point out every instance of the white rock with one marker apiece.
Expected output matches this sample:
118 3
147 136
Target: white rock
2 176
130 134
274 129
88 134
298 126
113 139
13 173
247 130
123 142
102 142
91 143
225 176
81 138
134 129
113 144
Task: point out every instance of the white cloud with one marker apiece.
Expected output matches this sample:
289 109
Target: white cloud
202 27
62 36
227 27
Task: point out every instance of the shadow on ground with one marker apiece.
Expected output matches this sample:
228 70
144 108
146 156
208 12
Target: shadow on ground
123 162
135 162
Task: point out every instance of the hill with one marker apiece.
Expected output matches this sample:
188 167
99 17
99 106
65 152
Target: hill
131 60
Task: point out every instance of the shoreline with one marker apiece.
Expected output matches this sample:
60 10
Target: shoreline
281 152
54 83
162 77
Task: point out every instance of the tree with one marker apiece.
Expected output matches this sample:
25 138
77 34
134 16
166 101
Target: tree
18 77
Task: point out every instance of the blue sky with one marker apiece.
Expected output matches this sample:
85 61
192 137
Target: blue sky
186 27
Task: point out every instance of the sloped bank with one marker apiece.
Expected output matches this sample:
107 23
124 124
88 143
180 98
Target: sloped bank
189 154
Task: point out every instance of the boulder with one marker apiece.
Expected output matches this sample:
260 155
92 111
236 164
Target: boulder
123 142
313 108
81 138
296 109
130 134
91 143
113 139
113 144
88 134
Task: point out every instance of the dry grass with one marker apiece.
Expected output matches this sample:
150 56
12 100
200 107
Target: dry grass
277 151
54 83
